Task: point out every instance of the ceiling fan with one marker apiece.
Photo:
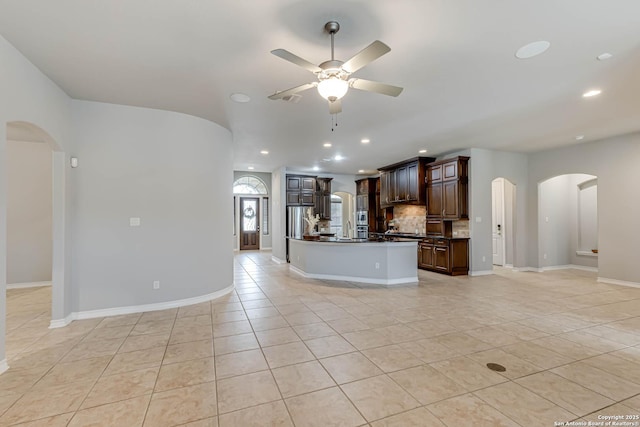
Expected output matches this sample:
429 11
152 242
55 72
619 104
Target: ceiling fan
334 76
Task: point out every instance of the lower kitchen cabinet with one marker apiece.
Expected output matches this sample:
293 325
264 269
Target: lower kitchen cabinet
444 255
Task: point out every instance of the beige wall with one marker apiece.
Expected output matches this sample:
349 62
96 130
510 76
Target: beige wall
29 212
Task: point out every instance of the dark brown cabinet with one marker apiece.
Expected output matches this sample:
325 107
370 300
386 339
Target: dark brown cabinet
404 182
444 255
386 195
446 192
300 190
413 187
323 198
434 200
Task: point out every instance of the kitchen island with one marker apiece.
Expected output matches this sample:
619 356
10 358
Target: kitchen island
360 260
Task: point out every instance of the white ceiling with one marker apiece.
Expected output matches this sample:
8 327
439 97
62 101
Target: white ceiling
463 87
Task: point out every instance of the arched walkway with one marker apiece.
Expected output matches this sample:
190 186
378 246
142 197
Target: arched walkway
28 132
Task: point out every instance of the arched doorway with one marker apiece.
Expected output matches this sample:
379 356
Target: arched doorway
568 222
35 244
251 212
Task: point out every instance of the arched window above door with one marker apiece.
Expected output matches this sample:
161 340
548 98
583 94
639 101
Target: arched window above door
249 185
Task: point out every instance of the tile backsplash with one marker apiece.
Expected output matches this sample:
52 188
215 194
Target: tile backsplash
409 218
460 228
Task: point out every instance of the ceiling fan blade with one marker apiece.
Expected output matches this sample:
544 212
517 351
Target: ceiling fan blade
369 54
376 87
282 94
335 107
295 59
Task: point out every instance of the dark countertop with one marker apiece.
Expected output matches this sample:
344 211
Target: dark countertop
356 240
414 236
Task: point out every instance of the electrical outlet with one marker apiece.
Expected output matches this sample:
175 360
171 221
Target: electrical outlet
134 222
544 256
377 265
156 284
484 259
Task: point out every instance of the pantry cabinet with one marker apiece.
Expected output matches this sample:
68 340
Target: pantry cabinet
447 189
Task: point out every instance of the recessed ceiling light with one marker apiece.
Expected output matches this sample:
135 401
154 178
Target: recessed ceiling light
365 141
590 93
604 56
361 171
579 137
240 97
532 49
422 151
326 144
337 157
250 168
316 168
265 152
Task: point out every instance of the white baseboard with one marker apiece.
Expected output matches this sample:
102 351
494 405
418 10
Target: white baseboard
266 249
508 266
61 323
584 268
526 269
481 273
556 267
27 285
618 282
4 366
117 311
386 282
569 266
277 260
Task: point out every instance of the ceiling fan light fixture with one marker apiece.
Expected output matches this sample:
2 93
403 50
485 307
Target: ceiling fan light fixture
333 88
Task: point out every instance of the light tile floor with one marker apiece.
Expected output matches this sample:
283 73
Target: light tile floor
286 351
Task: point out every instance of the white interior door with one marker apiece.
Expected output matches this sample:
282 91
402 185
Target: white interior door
497 220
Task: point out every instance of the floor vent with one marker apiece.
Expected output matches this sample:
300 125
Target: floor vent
496 367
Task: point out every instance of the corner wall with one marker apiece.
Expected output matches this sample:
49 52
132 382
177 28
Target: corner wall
29 96
484 167
171 170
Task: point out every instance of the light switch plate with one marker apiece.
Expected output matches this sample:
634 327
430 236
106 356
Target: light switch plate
478 219
134 222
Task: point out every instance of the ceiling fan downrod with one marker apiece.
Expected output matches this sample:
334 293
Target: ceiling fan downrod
332 27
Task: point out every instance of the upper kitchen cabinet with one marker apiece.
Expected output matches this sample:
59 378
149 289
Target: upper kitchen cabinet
446 192
323 198
404 182
301 190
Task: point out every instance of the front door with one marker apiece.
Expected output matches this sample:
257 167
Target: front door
249 223
497 220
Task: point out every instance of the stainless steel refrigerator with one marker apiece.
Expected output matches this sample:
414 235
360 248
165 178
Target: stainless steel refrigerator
295 224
